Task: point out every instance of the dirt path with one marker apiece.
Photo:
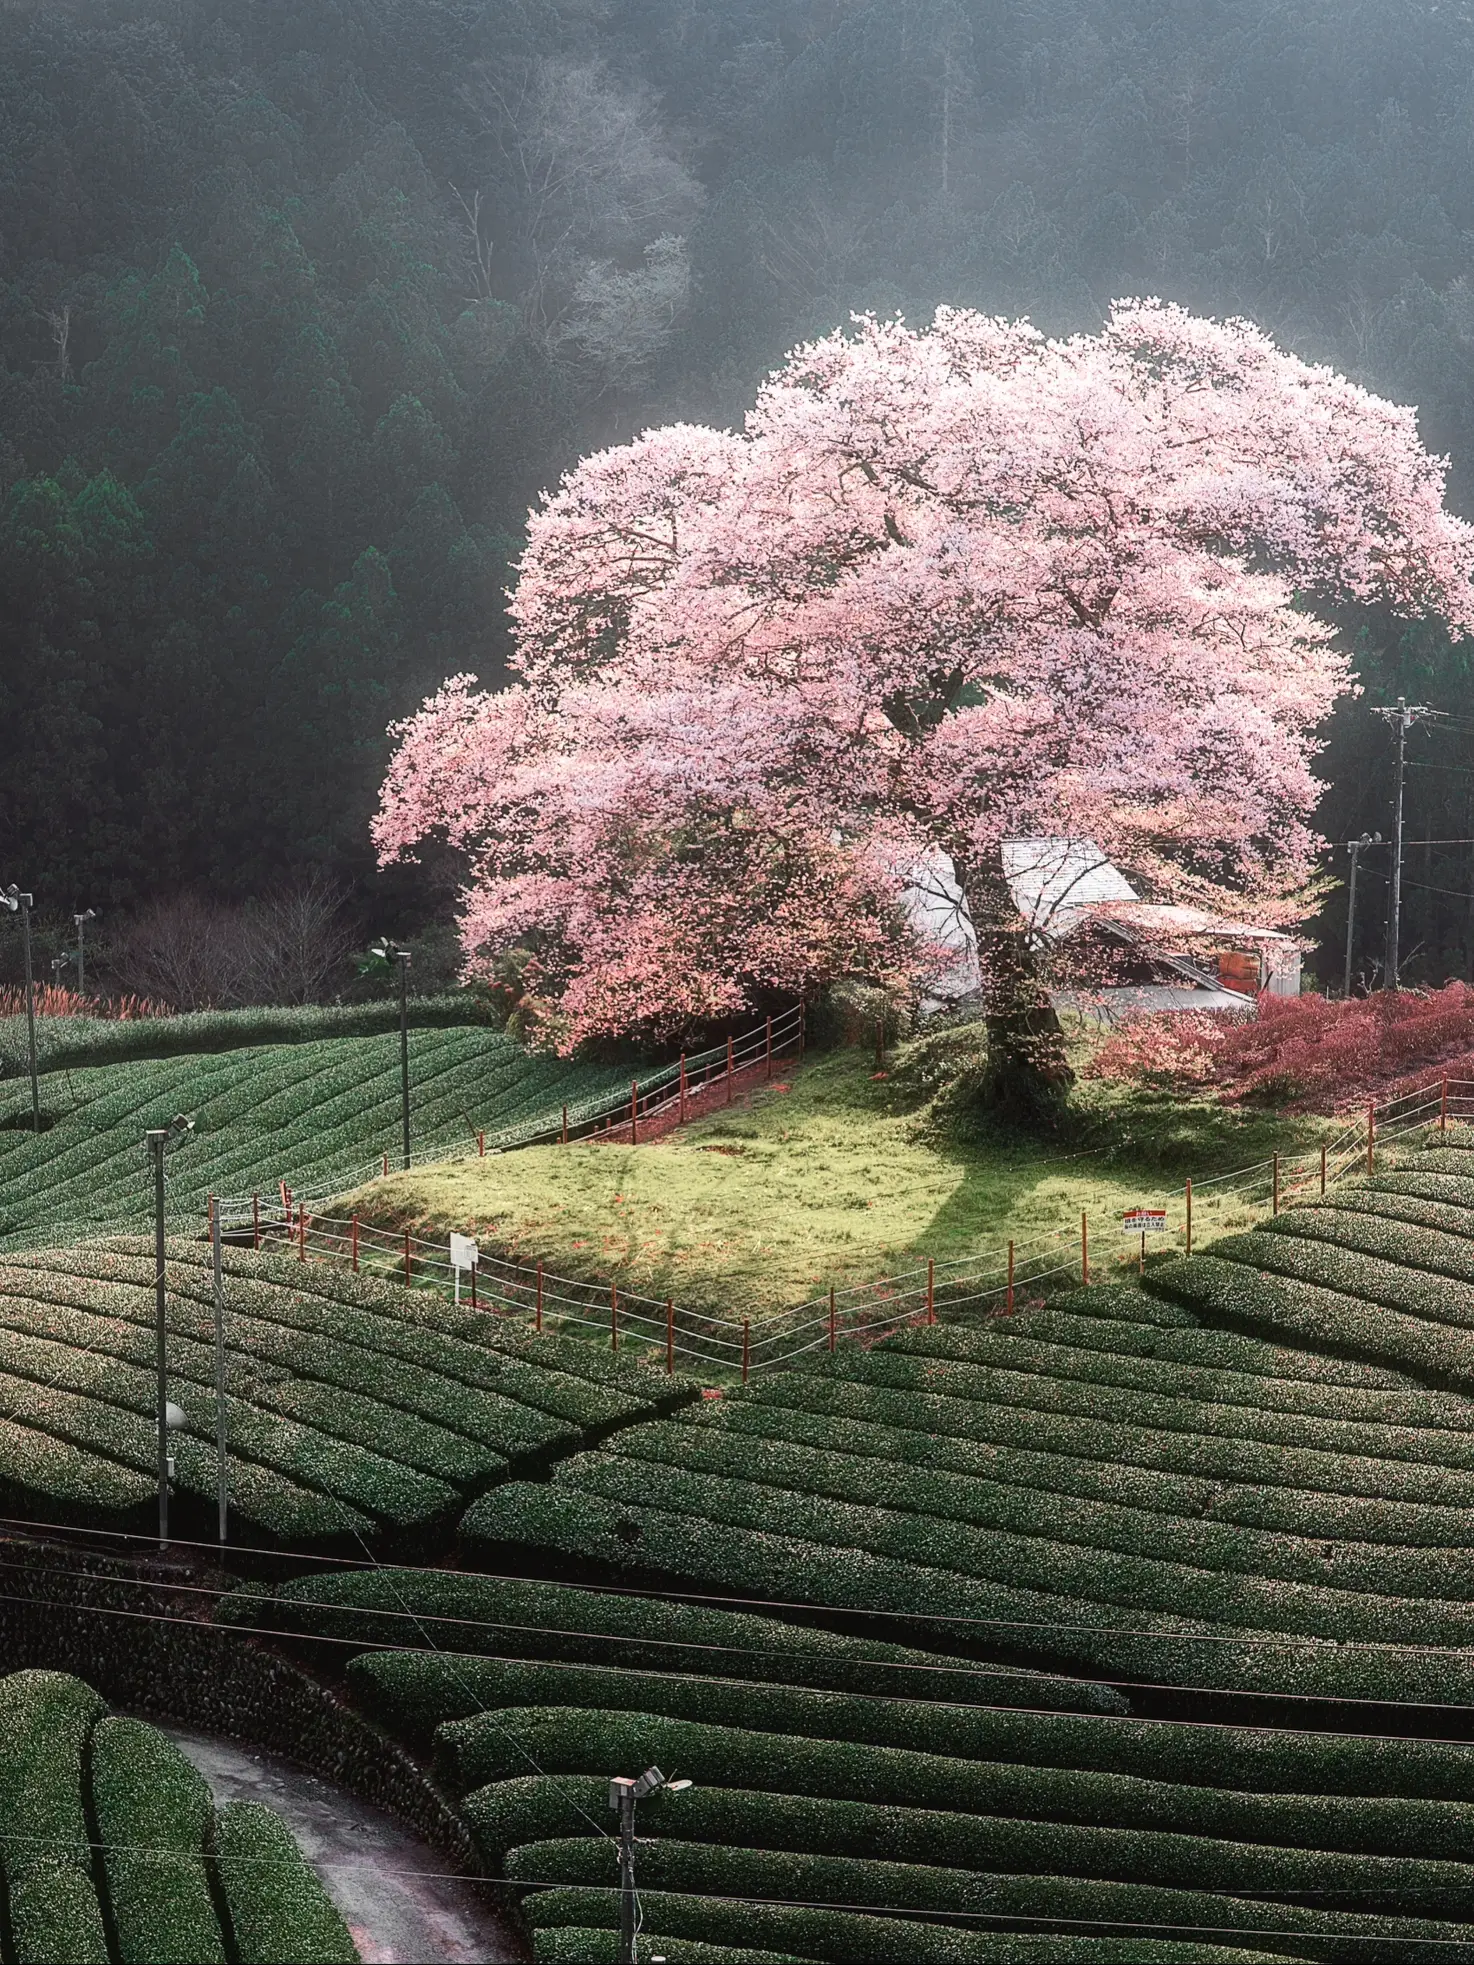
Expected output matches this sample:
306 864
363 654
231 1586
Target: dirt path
401 1905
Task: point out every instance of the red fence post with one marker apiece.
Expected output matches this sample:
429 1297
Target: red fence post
255 1221
768 1055
209 1217
1189 1214
538 1322
670 1337
683 1088
406 1259
931 1289
481 1146
474 1267
1276 1202
355 1245
831 1316
301 1234
564 1140
1323 1169
744 1349
1371 1134
802 1024
729 1071
634 1112
1443 1108
386 1166
1084 1248
1009 1304
614 1316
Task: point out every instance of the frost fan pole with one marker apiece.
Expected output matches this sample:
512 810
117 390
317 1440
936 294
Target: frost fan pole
1404 718
221 1484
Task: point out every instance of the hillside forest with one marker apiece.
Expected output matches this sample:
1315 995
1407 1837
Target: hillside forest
301 308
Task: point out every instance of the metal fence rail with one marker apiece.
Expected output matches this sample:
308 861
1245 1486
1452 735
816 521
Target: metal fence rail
859 1313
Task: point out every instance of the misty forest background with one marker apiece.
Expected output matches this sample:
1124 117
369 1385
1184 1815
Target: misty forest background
302 305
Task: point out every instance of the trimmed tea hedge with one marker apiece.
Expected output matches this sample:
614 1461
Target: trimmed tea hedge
976 1897
278 1909
845 1939
497 1747
313 1113
153 1835
347 1417
568 1945
154 1815
542 1809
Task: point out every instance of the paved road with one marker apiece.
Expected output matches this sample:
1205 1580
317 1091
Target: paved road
401 1905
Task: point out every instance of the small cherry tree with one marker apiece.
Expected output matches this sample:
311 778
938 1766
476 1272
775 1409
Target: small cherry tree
946 588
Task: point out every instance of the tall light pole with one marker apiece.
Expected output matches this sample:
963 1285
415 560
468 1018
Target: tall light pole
222 1488
389 951
21 904
167 1415
80 922
624 1792
1403 718
1356 845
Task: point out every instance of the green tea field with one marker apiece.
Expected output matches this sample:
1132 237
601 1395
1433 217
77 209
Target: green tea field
357 1411
312 1113
114 1852
1136 1627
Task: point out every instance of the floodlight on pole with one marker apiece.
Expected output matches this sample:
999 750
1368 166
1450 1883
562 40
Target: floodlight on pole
79 921
624 1792
167 1413
21 904
388 951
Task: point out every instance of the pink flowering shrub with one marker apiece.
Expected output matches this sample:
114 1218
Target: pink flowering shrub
1301 1050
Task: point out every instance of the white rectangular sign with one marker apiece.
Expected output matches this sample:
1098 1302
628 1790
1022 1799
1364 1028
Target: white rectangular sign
1144 1221
464 1253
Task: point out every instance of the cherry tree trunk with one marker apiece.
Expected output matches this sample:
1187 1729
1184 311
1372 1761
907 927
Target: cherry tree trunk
1028 1075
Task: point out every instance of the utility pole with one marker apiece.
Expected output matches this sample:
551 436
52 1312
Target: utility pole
167 1415
391 952
1403 717
1356 845
624 1792
21 904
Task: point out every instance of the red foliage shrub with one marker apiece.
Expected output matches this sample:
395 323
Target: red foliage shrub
54 1002
1299 1050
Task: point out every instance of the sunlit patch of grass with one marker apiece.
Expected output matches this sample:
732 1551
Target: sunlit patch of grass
839 1176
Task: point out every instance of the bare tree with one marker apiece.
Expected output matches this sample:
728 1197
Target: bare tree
297 940
290 946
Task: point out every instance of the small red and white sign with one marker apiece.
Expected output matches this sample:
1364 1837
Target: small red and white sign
1144 1221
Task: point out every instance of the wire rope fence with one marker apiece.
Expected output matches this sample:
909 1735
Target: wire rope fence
993 1280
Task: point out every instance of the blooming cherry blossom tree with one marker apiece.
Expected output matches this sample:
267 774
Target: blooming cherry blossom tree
946 587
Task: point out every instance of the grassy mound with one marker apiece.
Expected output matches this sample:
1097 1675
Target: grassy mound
310 1112
357 1410
832 1175
163 1880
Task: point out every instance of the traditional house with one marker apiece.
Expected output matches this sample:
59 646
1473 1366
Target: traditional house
1149 956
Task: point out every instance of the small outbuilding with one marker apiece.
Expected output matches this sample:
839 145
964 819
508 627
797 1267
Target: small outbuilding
1151 956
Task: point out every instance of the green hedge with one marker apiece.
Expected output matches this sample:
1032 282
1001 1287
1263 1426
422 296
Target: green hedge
1456 1189
45 1718
55 1918
1124 1642
1311 1290
1058 1556
1101 1469
541 1809
1416 1211
1269 1408
711 1869
1157 1524
527 1619
279 1912
842 1939
1428 1249
577 1740
1429 1300
1147 1432
569 1945
153 1814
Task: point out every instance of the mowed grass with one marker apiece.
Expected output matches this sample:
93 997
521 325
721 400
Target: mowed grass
830 1177
308 1113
